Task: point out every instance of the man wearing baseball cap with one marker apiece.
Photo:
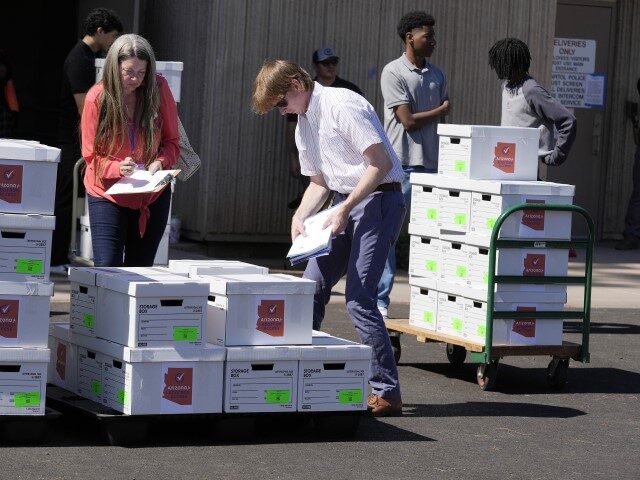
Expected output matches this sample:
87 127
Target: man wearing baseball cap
325 63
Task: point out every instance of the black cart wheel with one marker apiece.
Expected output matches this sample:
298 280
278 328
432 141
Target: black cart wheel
487 374
557 372
456 354
396 347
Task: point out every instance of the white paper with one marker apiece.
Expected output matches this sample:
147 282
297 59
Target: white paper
316 238
142 181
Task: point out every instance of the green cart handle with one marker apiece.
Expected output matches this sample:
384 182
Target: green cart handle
533 243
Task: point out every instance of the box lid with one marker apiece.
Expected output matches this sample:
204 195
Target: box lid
333 348
147 354
485 131
167 65
27 150
30 221
151 284
61 331
263 353
250 284
213 267
24 355
499 297
87 275
27 288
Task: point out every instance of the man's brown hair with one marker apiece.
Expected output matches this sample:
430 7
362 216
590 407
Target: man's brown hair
274 81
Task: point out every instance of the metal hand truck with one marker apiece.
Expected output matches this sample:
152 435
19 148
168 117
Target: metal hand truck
488 355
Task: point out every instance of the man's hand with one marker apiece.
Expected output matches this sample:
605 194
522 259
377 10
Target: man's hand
127 167
154 166
445 107
337 220
297 227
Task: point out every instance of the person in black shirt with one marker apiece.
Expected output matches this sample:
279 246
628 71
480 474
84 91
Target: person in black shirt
101 27
325 63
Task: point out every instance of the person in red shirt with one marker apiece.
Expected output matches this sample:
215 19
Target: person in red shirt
129 122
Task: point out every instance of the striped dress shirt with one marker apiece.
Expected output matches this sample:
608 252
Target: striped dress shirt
333 134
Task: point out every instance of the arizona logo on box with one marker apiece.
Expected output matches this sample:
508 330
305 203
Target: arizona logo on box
11 183
525 327
505 157
178 385
534 265
9 318
534 219
61 360
271 317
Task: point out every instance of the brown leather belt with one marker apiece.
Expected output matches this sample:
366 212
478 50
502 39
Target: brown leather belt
389 187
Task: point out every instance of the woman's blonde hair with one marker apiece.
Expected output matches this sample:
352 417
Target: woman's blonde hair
274 81
112 121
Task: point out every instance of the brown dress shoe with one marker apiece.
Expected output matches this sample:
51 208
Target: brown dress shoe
382 407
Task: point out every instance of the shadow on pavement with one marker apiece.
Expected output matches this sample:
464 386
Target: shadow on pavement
491 409
603 327
517 380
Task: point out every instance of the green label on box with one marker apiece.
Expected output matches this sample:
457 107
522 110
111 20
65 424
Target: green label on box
121 397
491 223
461 271
277 396
427 317
456 323
96 387
185 334
431 266
485 278
88 320
350 396
28 266
26 399
482 330
460 218
460 165
432 213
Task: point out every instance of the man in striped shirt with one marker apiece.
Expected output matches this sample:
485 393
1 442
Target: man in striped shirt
343 149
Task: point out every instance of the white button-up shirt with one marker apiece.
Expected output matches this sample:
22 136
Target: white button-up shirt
333 134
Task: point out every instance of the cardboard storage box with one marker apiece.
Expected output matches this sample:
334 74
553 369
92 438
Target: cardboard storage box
25 247
424 257
214 267
423 309
450 315
454 262
261 379
454 209
333 375
151 310
424 207
491 198
150 381
23 380
24 314
27 177
488 152
516 332
259 310
172 71
63 364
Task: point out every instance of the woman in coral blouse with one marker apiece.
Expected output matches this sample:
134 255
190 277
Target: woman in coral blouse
129 122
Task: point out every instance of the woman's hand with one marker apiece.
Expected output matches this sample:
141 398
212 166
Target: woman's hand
154 166
127 167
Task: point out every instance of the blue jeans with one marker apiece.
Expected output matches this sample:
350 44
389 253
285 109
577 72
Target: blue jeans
115 236
361 252
632 219
386 281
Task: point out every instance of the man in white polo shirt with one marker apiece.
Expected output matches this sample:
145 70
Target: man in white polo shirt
415 100
343 149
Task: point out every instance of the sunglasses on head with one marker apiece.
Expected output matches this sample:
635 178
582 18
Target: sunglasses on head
330 61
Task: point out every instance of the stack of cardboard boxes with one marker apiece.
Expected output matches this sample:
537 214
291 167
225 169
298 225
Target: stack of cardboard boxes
202 337
27 193
483 171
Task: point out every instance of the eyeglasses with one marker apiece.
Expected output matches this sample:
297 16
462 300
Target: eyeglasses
282 103
329 62
127 72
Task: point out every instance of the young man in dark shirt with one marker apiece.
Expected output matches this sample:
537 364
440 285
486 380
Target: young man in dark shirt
325 63
101 27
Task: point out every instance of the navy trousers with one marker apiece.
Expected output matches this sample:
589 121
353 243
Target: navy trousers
362 251
632 220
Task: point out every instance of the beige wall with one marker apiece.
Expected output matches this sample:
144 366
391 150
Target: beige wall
243 189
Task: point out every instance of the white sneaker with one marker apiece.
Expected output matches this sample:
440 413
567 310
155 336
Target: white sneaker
383 311
59 269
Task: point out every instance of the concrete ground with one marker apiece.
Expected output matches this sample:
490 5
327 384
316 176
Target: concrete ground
450 429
